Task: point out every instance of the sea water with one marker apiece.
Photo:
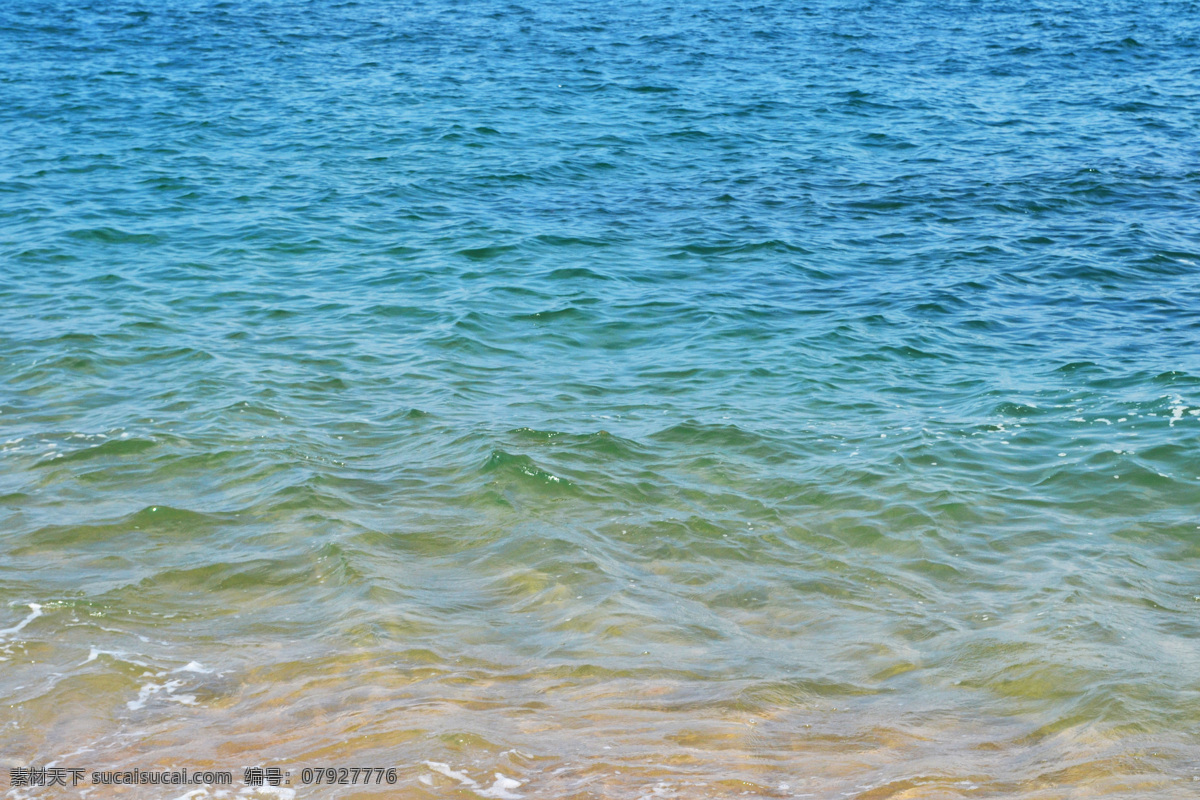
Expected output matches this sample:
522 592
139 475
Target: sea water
590 400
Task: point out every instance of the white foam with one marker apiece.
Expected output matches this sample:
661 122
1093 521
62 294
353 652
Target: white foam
444 769
272 791
143 695
193 666
1177 411
148 690
117 654
37 612
502 789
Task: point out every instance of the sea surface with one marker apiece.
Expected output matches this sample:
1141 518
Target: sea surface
579 400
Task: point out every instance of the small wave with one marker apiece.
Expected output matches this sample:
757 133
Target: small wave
113 236
521 470
487 253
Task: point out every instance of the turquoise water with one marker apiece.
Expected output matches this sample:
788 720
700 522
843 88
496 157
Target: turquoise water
701 401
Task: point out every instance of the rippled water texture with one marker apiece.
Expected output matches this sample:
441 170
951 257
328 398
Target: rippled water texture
697 400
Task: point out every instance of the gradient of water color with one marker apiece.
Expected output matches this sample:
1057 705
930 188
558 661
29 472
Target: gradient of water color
694 400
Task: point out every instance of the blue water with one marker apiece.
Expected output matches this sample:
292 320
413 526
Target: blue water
675 400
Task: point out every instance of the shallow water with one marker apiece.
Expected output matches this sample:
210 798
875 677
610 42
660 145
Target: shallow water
708 401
